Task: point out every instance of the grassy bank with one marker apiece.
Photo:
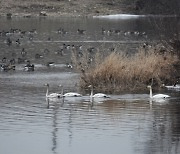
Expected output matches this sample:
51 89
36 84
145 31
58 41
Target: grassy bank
119 71
86 7
63 7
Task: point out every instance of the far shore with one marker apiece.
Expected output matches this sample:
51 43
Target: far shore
69 8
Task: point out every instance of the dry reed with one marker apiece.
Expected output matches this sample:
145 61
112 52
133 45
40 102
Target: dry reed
118 71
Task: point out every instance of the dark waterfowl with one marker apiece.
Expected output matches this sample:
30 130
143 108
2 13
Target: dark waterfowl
23 52
33 31
12 61
18 42
7 67
103 30
91 49
9 15
21 60
81 31
46 51
7 64
31 37
49 64
37 56
69 65
59 52
8 41
62 31
4 59
65 46
29 67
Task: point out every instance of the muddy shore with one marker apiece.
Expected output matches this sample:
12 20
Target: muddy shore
55 8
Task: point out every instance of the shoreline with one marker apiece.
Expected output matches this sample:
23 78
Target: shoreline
99 16
77 8
70 8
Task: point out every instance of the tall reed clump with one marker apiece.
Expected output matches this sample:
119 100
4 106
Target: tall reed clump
119 71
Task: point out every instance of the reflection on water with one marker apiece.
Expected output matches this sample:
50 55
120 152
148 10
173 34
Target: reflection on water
127 123
124 123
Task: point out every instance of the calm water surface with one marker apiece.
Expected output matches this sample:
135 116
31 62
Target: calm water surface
125 123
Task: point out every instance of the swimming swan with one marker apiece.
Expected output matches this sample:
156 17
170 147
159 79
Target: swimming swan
69 94
98 95
158 96
52 95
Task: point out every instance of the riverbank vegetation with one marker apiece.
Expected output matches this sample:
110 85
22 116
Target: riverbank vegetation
88 8
119 71
62 7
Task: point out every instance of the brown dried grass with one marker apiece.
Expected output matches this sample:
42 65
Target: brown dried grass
118 71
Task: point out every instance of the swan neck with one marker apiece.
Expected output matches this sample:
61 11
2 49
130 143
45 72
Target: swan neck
47 91
62 91
91 92
150 94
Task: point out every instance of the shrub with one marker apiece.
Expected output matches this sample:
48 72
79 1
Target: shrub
119 71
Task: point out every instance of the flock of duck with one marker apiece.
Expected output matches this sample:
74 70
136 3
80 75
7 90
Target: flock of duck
14 37
124 33
8 65
108 32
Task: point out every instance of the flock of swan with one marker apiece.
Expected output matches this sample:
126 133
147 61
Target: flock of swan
157 97
72 94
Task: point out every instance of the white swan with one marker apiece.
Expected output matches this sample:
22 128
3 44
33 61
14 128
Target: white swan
98 95
158 96
52 95
70 94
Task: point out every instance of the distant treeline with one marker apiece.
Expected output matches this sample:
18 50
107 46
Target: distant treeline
157 6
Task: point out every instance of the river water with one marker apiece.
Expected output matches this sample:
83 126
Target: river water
125 123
